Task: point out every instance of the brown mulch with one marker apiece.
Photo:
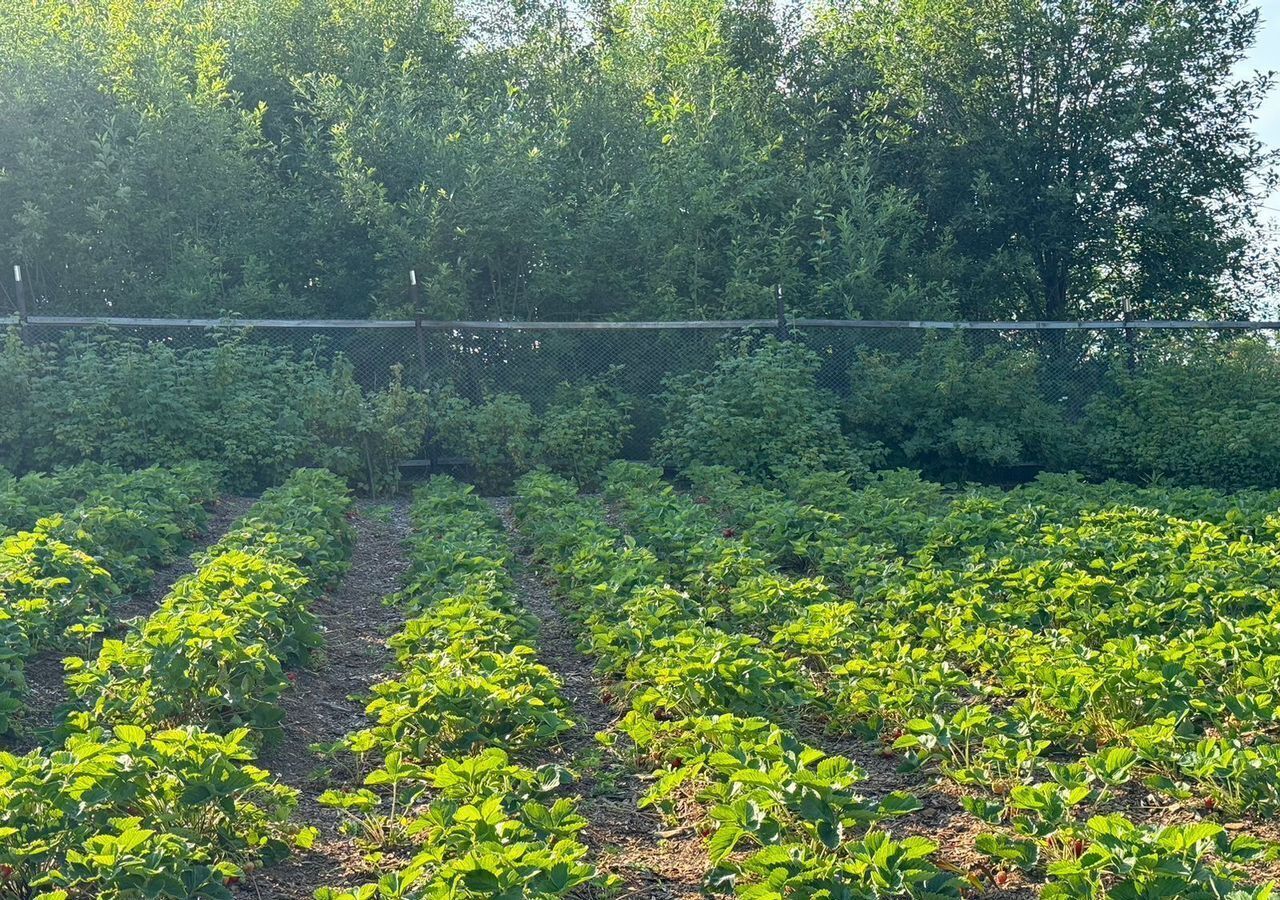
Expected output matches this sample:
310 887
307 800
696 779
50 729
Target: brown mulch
329 698
47 694
631 844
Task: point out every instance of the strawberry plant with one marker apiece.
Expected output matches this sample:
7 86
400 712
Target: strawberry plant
781 818
128 813
168 802
440 787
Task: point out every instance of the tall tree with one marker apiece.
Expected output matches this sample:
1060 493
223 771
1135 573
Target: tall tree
1080 153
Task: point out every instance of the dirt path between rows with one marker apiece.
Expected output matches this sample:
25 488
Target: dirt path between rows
625 841
321 708
47 692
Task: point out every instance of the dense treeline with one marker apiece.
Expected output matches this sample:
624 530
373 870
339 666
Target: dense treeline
631 158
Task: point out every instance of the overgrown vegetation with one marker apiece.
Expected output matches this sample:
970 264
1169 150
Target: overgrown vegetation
1204 414
758 410
251 409
582 427
957 408
1188 412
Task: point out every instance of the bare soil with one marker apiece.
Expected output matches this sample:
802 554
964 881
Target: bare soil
634 845
328 701
47 695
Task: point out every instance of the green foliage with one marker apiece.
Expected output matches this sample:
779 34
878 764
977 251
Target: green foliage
778 815
758 410
364 436
642 159
1068 194
1201 415
1043 648
18 367
215 652
496 437
955 407
156 805
65 572
581 428
252 410
466 699
135 812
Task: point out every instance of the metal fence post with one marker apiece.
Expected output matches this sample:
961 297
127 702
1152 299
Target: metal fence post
1130 354
416 299
781 313
21 302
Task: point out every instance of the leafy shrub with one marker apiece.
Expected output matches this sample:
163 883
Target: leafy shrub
19 365
955 408
1206 417
364 436
758 410
496 437
255 411
582 429
130 404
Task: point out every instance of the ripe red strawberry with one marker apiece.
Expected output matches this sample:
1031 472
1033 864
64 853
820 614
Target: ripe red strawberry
1001 878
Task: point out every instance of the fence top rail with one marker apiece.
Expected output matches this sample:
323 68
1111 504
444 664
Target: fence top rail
432 324
1083 325
128 321
723 325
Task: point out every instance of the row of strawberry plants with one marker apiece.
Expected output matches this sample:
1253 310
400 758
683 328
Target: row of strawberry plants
781 818
154 792
67 570
451 792
1109 624
214 653
902 660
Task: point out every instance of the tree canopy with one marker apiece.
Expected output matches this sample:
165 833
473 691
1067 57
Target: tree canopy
632 158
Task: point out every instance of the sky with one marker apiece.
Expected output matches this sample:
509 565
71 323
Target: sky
1266 55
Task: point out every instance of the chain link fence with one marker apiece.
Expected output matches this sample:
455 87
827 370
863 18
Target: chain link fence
1065 363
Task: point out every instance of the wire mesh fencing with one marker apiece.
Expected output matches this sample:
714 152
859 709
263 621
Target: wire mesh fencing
1064 364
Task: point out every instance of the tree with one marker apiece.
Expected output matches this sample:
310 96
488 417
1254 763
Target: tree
629 158
1080 153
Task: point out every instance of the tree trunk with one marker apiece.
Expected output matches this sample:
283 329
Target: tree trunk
1055 282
